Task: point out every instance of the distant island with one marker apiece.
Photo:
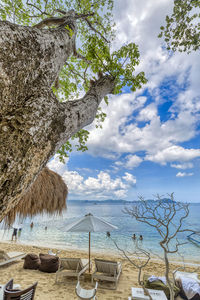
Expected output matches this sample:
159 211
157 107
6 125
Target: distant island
109 201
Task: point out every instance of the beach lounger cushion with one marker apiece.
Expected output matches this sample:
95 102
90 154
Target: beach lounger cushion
190 287
31 261
48 263
159 285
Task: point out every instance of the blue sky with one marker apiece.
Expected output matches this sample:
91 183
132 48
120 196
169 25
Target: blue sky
149 142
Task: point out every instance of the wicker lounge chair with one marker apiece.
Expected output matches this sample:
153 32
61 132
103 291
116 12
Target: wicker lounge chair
11 294
8 257
86 294
72 267
107 271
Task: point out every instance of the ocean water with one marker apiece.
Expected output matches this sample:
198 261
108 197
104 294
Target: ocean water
56 237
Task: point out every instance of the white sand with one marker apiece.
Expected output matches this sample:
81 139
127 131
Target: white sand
47 289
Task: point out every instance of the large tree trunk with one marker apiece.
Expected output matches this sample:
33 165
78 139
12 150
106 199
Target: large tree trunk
33 124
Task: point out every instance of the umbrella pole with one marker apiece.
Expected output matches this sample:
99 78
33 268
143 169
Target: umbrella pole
89 252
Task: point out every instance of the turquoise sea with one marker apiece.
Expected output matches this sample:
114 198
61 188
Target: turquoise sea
56 237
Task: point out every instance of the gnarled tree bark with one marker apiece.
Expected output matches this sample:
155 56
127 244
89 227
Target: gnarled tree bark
33 123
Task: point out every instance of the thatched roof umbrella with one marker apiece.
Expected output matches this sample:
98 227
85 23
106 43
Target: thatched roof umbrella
47 195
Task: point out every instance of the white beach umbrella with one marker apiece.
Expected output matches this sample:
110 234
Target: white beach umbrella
90 223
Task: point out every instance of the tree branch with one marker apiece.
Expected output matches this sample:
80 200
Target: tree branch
83 16
82 112
41 12
167 226
94 29
50 22
78 55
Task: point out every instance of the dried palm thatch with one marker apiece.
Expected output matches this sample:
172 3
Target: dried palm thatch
47 195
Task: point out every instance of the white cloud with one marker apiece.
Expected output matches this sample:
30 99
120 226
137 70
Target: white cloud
147 113
99 187
110 141
56 165
122 133
118 163
120 194
129 178
173 153
129 162
133 161
183 166
73 180
183 174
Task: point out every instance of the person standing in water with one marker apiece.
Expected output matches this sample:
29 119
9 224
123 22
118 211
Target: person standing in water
14 234
134 236
19 231
31 225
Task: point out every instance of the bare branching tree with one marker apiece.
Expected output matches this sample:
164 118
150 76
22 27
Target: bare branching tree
138 257
167 218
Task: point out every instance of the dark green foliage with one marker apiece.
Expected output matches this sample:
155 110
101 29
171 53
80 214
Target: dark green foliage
182 30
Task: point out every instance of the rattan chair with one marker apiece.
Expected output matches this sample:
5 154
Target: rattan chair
27 294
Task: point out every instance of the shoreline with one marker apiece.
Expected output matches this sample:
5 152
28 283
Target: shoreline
187 262
47 289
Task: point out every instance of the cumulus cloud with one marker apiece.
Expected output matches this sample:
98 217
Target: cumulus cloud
120 194
111 141
183 166
129 162
173 153
129 178
56 165
98 187
183 174
147 113
122 131
120 134
132 161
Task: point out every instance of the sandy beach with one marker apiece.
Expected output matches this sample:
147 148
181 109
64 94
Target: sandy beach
48 289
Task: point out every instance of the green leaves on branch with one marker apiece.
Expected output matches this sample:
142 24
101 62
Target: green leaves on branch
182 30
100 117
81 137
70 31
120 64
28 12
64 151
